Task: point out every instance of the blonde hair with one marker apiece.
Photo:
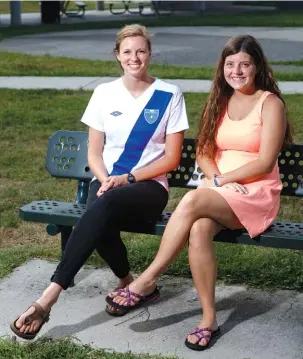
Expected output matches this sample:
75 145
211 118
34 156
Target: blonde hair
132 30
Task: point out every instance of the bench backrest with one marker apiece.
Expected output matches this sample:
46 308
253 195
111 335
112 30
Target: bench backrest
67 158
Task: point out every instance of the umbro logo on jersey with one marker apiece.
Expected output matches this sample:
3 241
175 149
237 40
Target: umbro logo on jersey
151 116
116 113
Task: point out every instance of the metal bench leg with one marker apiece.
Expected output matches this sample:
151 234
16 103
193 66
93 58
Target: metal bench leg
65 234
140 6
117 12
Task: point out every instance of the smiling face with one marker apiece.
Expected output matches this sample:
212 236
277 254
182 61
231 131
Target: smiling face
240 71
134 56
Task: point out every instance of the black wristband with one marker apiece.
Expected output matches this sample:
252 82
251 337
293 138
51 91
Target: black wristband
131 178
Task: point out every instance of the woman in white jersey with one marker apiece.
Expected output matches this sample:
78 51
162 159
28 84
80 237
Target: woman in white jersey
136 129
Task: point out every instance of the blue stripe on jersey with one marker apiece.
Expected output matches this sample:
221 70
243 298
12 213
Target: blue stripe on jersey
141 134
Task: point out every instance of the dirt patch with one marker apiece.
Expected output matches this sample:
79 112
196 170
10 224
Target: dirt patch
25 234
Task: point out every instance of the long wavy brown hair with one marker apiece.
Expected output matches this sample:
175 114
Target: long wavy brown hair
221 92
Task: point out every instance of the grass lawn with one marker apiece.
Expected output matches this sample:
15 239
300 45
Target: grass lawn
30 117
18 64
255 18
293 63
61 349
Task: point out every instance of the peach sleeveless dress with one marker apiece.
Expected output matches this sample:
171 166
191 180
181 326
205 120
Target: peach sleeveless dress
239 143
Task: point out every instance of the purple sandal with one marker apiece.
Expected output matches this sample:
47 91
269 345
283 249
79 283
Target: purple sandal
117 312
131 302
200 334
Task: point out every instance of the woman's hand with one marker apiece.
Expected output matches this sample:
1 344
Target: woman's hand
237 187
112 182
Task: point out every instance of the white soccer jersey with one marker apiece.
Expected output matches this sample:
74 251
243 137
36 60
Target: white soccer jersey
135 128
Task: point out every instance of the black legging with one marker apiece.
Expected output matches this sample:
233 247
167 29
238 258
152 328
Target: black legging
99 227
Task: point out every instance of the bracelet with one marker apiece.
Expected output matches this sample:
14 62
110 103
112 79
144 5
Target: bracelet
215 181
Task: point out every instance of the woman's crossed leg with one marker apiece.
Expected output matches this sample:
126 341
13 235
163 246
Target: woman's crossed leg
199 216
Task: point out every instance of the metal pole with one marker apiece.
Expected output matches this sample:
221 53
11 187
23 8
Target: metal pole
100 5
15 8
203 6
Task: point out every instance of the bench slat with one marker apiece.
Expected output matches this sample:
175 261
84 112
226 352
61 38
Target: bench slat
280 235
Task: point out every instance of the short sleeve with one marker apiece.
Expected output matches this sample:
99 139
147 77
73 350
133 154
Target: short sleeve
92 116
177 120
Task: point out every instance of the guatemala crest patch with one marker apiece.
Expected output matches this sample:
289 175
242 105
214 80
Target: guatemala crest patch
151 116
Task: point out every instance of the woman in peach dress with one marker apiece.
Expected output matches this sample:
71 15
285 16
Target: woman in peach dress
243 128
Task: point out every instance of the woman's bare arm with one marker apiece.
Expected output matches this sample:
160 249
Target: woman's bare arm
95 154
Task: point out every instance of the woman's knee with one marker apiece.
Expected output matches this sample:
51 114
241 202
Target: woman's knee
104 208
202 232
189 204
109 199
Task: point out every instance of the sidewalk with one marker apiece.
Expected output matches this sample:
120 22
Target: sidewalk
255 324
177 45
90 83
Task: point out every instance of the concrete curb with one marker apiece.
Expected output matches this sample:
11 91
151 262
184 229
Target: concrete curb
90 83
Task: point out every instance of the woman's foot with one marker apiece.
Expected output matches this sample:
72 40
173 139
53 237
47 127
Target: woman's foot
31 321
138 293
201 336
138 286
44 305
132 300
122 283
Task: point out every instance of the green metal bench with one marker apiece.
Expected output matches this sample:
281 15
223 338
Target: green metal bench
67 158
138 7
81 6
